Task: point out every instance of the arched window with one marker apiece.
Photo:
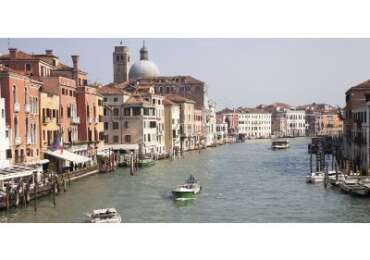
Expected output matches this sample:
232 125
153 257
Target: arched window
14 94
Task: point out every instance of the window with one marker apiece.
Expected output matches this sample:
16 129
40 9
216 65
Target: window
106 125
126 124
8 154
127 138
153 124
28 67
2 113
115 99
70 93
115 139
115 125
105 99
146 111
136 111
126 111
115 111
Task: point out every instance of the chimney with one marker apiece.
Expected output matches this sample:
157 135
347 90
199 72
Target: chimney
76 62
13 53
49 52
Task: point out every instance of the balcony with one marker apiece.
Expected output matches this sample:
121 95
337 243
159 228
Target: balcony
75 120
16 107
46 120
27 108
17 140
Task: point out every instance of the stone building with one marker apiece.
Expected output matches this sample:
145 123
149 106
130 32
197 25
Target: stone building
113 100
253 123
121 63
209 124
187 123
289 122
171 125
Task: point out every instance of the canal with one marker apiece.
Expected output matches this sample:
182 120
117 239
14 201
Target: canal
246 182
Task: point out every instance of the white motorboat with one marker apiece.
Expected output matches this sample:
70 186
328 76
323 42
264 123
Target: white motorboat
279 144
108 215
316 177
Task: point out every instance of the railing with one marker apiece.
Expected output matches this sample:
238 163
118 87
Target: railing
17 140
16 107
27 108
75 120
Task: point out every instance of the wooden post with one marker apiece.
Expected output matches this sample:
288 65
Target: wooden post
311 162
35 192
53 187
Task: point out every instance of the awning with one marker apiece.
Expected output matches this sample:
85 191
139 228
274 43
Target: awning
12 172
126 147
68 156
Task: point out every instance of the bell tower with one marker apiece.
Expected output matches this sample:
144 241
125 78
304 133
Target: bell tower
121 62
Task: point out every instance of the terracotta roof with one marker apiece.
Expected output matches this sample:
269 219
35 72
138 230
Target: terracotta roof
136 100
178 99
110 90
166 101
362 85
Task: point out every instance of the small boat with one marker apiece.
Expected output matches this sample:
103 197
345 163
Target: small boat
146 162
279 144
188 190
108 215
354 188
316 177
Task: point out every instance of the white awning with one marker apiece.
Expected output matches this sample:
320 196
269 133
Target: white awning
121 147
12 172
68 156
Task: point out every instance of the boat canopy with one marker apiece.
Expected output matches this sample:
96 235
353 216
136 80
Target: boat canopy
68 156
9 173
127 147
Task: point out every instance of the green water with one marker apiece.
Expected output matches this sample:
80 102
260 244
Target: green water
246 182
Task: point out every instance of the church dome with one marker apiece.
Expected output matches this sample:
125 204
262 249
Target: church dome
143 68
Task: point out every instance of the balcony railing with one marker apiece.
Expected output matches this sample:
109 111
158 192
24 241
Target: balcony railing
17 140
16 107
27 108
75 120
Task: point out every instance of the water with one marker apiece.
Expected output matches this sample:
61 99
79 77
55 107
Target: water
244 182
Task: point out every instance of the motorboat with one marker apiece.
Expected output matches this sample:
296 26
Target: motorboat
107 215
188 190
279 144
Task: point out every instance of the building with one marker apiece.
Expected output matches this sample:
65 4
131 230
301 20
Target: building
356 100
221 133
187 121
210 124
330 123
141 125
231 117
100 125
49 116
289 122
171 125
5 152
253 123
143 68
87 111
360 140
121 63
21 95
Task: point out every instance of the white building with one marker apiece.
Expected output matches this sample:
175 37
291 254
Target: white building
289 122
210 123
4 136
221 133
254 123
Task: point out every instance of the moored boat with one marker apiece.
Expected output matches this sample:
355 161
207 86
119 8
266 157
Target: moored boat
146 162
186 191
108 215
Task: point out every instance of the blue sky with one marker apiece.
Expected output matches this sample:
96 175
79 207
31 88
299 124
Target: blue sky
238 72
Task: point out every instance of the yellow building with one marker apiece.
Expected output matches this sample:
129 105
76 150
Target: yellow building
171 125
49 117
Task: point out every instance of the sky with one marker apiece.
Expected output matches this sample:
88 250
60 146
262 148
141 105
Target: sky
238 72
